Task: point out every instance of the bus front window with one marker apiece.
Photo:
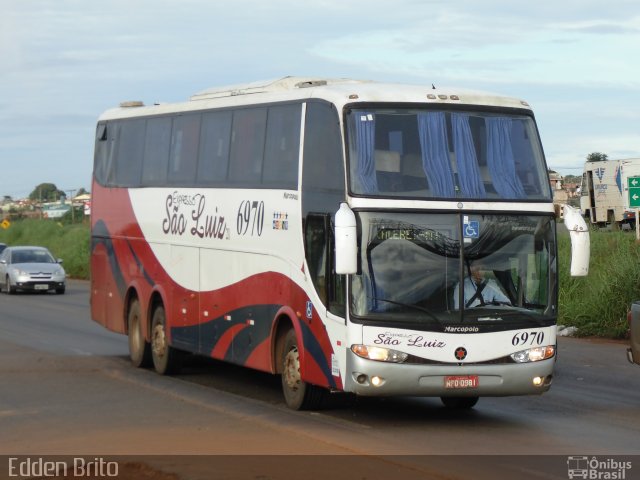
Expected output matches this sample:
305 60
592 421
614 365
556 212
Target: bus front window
440 154
440 269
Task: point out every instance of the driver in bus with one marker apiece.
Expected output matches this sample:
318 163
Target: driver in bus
479 290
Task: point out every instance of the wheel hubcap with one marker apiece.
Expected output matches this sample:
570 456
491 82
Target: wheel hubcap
159 341
292 369
134 334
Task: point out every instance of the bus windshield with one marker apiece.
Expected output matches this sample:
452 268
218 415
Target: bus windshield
433 270
440 154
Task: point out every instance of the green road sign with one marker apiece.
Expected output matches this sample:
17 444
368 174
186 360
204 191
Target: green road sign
633 184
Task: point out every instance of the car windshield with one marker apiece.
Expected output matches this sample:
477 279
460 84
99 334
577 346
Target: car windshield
32 256
438 154
444 269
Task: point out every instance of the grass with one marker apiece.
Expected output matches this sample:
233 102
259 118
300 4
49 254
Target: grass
596 304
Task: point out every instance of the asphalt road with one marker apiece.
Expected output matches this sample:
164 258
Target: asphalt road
66 388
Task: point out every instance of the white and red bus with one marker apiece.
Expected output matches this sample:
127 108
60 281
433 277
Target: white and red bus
215 231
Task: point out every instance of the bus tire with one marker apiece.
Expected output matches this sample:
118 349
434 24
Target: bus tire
166 359
139 348
298 395
459 403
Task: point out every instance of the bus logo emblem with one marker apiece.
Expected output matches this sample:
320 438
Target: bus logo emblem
461 353
309 309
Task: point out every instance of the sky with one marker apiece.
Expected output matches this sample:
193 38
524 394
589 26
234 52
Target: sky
63 62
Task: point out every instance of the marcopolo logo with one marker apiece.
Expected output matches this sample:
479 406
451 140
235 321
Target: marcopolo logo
597 468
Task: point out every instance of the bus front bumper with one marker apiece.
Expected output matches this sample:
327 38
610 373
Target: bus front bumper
372 378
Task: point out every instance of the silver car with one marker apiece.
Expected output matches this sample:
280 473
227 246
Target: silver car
31 269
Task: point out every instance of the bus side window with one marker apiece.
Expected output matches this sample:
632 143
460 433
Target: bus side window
282 147
184 150
101 156
337 283
215 140
319 247
247 146
156 151
315 242
128 165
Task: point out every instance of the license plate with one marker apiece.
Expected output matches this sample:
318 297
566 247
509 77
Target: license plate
41 287
461 381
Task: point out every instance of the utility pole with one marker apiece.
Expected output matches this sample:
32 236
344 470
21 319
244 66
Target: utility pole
71 192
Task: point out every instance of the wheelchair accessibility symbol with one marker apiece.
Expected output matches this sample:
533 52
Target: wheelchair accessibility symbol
471 229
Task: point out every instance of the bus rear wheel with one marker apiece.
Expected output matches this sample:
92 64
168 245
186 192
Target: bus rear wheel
139 348
298 395
459 403
166 359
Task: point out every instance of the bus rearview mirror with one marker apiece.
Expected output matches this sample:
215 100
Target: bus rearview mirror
346 241
580 244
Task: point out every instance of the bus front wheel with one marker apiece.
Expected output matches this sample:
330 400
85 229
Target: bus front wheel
298 394
139 348
459 403
166 359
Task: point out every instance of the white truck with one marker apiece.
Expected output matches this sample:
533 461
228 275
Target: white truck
604 193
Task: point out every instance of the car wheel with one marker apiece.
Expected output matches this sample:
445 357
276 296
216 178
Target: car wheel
8 288
60 290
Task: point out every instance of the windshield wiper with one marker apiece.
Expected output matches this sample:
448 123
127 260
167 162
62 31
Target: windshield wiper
415 307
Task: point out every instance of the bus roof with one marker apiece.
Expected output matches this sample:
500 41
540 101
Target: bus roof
340 91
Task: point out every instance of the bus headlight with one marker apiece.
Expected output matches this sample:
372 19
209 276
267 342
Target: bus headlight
534 354
379 354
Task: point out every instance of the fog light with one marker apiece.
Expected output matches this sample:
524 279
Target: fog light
361 379
376 381
537 381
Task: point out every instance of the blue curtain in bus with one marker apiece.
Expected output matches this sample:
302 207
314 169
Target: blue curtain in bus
365 138
500 158
468 170
432 129
527 168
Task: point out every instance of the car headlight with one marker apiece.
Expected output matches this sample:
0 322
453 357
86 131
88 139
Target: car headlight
22 273
379 353
534 354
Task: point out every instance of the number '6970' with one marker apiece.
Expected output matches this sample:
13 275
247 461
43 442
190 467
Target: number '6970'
534 337
250 218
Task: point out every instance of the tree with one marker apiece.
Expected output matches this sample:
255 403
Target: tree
597 157
572 179
46 192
